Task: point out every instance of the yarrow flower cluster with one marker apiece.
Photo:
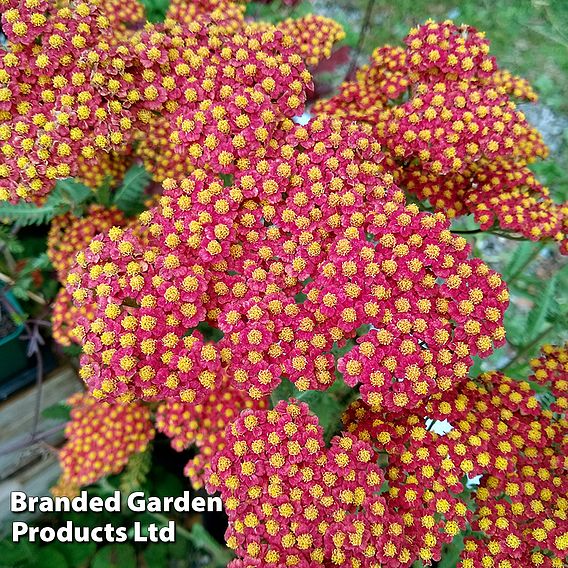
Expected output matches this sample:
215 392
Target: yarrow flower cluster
425 479
368 264
101 438
293 502
102 91
53 110
314 36
108 168
294 246
444 112
521 498
64 317
498 430
203 426
69 234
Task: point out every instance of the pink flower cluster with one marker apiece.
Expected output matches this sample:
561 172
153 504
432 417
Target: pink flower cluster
293 502
443 111
498 431
57 108
311 214
203 426
425 474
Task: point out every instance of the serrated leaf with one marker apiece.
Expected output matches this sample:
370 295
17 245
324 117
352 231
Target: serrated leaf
29 214
72 190
521 257
136 471
40 262
129 196
10 241
68 194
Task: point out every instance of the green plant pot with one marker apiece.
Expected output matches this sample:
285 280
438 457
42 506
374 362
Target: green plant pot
13 357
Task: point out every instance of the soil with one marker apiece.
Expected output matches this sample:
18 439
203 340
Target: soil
7 325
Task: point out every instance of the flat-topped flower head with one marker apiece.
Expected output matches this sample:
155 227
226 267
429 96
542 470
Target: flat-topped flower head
447 119
238 253
437 50
292 501
68 235
101 438
203 425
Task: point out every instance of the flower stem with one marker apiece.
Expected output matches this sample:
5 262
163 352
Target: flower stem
362 36
523 351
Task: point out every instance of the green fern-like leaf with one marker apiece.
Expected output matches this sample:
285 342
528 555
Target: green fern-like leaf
72 191
10 241
134 475
29 214
68 195
130 195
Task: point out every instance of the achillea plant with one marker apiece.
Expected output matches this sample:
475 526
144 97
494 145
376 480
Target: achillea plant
288 269
446 114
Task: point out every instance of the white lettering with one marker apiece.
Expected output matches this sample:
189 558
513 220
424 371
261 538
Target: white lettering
198 504
18 501
214 504
19 529
136 502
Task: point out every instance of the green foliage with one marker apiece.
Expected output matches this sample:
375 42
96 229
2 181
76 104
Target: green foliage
136 472
130 194
24 282
277 11
115 556
57 411
49 556
68 195
156 9
30 214
451 553
220 556
553 174
15 555
524 254
9 240
76 553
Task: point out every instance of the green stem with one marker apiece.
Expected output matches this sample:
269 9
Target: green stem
472 232
527 348
519 271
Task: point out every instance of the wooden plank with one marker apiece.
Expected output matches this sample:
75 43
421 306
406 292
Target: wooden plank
36 479
17 416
